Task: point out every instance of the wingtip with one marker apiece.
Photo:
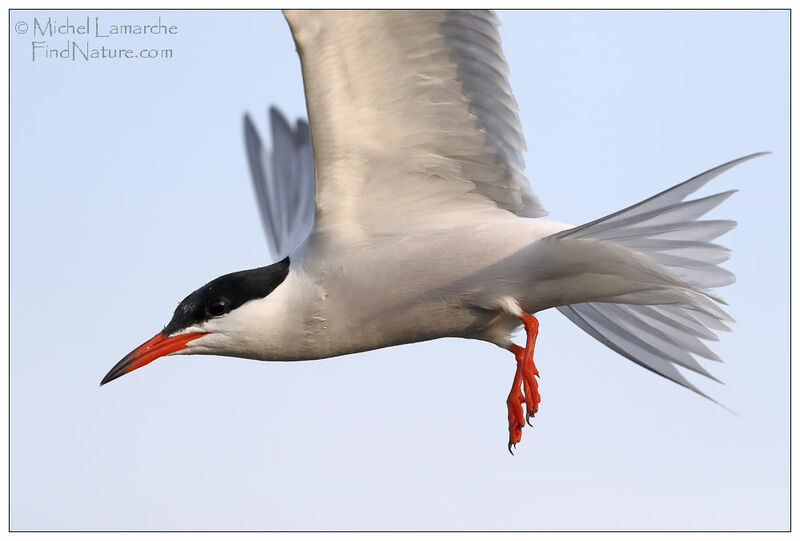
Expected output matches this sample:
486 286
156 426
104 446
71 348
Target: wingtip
248 125
709 398
749 157
723 406
276 116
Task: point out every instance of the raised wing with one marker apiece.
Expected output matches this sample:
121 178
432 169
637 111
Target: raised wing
413 120
284 182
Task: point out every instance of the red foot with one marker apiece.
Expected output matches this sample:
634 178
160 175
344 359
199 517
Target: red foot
523 378
514 402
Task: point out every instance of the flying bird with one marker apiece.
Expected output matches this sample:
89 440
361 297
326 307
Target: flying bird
402 214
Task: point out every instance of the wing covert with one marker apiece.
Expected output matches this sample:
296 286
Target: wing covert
412 116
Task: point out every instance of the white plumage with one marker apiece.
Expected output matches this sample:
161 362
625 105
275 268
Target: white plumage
413 219
421 191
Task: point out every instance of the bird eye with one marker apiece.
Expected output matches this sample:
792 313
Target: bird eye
216 307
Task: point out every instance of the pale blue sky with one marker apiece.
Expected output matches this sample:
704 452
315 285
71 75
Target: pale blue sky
130 188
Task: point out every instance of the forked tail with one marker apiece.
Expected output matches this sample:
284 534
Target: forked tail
666 229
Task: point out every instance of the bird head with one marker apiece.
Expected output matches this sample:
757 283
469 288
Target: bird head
208 320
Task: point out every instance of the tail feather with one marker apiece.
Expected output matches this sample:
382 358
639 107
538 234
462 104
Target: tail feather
687 211
708 321
700 231
640 319
667 197
691 249
597 328
666 331
681 321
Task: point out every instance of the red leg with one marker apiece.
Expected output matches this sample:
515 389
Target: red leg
532 396
523 378
514 402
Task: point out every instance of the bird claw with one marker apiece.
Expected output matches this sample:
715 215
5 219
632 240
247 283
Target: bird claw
514 438
528 418
511 443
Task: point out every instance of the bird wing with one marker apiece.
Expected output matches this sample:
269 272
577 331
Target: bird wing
412 118
666 228
284 182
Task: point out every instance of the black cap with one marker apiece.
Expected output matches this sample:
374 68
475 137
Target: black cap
226 293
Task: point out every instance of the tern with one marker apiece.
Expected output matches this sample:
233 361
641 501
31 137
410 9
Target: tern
400 213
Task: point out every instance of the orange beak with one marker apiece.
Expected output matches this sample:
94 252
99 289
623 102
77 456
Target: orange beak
156 347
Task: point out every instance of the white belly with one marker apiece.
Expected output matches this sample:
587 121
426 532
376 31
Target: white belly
398 291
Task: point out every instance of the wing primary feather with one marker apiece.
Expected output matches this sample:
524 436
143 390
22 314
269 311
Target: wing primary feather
259 171
283 180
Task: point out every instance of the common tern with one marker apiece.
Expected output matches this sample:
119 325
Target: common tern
402 214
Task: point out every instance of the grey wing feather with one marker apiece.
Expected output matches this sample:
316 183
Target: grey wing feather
667 229
604 329
673 195
283 179
414 123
